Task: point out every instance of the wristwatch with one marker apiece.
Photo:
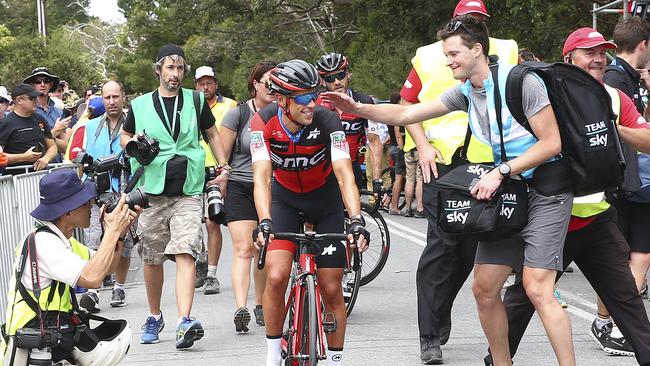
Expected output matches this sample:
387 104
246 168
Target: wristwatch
504 169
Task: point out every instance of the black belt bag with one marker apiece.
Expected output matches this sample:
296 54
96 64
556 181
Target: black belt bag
503 216
461 214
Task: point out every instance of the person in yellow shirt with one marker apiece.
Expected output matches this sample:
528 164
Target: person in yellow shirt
205 81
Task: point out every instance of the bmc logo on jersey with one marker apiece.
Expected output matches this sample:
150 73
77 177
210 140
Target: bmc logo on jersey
298 163
351 127
596 134
339 141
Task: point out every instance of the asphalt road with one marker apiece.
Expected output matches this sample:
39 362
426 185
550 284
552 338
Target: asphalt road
382 329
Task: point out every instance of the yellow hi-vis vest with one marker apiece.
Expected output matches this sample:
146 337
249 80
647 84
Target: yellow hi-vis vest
19 313
219 110
447 133
593 204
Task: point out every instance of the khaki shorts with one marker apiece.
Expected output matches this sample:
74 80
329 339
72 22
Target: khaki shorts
413 170
172 225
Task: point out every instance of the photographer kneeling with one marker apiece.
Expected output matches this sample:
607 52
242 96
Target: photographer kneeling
51 265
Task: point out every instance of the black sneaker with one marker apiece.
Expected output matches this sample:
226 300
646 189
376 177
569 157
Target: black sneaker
600 335
617 346
90 302
408 213
259 315
118 298
430 352
242 318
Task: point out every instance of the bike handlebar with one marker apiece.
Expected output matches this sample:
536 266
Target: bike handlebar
308 236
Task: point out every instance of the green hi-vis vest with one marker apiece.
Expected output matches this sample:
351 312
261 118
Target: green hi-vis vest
593 204
18 311
147 121
447 133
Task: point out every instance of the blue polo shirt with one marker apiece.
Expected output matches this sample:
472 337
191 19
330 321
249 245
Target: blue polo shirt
53 113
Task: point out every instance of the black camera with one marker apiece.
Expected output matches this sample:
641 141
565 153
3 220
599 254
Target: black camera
144 149
28 338
100 170
215 204
137 197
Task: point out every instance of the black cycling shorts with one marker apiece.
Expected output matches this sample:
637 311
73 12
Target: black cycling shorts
321 207
239 202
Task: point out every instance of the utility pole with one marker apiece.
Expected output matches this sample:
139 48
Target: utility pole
42 23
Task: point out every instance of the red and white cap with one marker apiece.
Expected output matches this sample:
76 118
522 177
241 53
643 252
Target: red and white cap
469 7
585 38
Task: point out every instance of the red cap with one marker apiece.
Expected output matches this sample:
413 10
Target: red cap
585 38
470 6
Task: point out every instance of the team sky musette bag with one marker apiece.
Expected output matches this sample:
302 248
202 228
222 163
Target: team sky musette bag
591 148
504 215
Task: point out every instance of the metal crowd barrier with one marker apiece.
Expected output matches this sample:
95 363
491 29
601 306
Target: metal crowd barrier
18 197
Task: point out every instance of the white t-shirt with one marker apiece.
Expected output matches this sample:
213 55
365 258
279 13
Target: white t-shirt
379 129
55 259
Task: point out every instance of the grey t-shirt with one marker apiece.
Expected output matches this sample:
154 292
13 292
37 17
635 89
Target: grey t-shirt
534 98
240 161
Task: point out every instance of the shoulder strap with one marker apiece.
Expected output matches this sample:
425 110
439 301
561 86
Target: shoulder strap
29 250
514 94
244 116
497 101
197 108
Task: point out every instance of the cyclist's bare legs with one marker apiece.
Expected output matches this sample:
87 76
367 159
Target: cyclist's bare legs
539 284
329 282
488 282
278 270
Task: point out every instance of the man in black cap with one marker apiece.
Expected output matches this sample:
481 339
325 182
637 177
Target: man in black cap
25 137
62 262
178 118
45 83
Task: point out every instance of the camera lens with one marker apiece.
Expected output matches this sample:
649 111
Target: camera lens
215 205
137 198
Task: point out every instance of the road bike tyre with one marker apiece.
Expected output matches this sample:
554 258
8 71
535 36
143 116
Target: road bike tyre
375 257
309 331
352 279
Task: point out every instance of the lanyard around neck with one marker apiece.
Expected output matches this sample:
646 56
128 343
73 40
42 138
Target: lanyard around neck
172 126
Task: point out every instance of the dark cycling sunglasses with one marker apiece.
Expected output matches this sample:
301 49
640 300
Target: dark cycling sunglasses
338 76
453 26
305 99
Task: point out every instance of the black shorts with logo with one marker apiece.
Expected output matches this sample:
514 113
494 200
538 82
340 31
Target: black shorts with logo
322 207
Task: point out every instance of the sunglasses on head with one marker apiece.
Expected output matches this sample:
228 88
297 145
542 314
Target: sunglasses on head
305 99
338 76
41 80
453 26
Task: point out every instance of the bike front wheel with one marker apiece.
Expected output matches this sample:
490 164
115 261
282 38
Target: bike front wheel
309 325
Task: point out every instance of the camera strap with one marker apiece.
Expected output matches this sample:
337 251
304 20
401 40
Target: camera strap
29 250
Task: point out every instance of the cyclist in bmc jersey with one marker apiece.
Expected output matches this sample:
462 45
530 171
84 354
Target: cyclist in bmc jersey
334 69
303 144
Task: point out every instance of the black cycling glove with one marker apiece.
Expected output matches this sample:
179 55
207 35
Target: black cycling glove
377 187
356 228
265 227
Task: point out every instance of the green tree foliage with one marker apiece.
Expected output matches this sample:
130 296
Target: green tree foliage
379 36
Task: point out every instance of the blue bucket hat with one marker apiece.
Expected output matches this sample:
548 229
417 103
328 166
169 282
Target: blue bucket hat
61 192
